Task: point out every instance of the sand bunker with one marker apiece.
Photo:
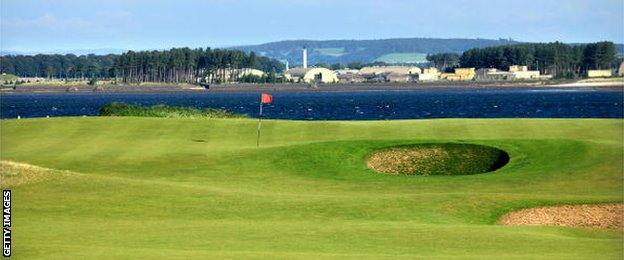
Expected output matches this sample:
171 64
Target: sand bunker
13 174
437 159
605 216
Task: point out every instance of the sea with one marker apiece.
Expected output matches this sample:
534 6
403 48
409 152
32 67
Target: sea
526 102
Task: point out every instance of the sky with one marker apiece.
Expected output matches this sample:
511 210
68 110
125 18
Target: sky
54 25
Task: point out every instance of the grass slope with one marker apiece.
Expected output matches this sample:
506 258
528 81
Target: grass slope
171 187
336 52
403 57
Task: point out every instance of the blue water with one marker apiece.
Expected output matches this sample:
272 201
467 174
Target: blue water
354 105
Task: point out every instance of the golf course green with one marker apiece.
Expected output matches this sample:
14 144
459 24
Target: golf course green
144 188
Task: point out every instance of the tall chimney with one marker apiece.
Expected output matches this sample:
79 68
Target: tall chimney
305 58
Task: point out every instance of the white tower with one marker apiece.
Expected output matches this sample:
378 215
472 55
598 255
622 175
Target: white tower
305 58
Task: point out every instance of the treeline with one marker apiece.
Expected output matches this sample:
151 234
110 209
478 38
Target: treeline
270 77
175 65
187 65
558 59
58 66
443 61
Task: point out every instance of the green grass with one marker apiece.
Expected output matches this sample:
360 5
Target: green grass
122 109
193 188
7 78
336 52
403 57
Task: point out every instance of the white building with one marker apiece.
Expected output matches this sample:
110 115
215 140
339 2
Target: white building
493 74
311 75
399 77
429 74
599 73
380 70
515 73
346 71
232 75
523 72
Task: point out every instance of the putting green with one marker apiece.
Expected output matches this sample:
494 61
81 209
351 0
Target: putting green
155 187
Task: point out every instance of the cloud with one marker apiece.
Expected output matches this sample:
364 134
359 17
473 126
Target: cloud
107 23
146 23
49 22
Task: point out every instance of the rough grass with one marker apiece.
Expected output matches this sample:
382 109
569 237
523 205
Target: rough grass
151 188
13 174
437 159
122 109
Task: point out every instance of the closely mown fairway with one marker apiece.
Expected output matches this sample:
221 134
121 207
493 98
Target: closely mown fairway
155 187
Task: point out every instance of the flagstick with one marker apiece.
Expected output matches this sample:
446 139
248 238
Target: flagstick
259 122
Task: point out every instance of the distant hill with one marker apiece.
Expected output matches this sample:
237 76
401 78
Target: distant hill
406 50
77 52
400 50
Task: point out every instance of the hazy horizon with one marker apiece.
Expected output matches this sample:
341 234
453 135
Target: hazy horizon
119 50
57 26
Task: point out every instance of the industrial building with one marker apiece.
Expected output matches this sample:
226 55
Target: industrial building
389 73
515 72
249 71
399 77
346 71
523 72
230 75
380 70
310 75
350 78
429 74
491 74
460 74
599 73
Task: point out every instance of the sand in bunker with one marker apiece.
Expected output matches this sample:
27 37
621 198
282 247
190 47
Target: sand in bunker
396 160
605 216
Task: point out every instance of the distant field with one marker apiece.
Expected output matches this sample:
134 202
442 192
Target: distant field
145 188
403 57
331 51
7 77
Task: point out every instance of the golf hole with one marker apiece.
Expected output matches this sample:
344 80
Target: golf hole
437 159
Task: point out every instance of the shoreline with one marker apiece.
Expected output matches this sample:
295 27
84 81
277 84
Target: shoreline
617 83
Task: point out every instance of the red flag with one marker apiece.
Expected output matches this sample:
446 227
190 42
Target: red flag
266 98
